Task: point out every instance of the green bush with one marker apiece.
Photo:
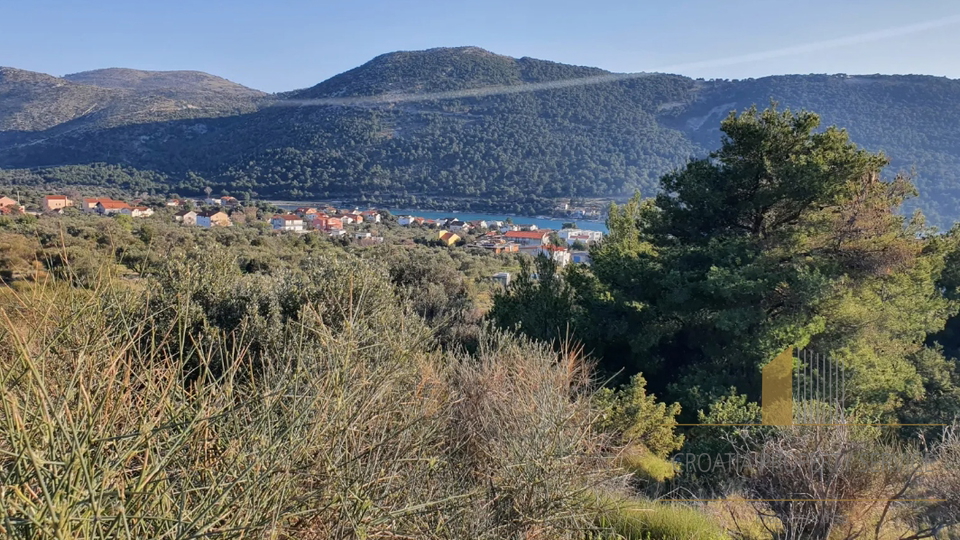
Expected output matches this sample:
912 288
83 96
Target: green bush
639 520
646 466
638 419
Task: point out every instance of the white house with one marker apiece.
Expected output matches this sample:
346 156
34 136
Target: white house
528 238
109 207
458 226
557 254
583 235
405 220
187 217
287 222
140 211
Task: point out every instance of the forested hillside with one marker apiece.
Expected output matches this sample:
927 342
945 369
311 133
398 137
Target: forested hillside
912 119
507 149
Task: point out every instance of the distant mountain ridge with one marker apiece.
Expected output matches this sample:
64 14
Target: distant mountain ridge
438 70
157 81
35 102
506 150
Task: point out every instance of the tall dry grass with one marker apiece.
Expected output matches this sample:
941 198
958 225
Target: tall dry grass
128 413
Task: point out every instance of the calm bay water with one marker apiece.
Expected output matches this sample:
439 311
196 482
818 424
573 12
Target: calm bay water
543 223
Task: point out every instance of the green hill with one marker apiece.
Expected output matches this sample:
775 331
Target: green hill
500 148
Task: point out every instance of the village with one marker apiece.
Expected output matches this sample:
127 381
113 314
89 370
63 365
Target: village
569 245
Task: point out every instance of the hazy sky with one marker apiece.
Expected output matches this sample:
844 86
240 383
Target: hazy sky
288 44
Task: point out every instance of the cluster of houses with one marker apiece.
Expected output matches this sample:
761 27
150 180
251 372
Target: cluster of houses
106 206
329 220
204 218
212 217
503 237
495 236
225 201
592 212
58 203
459 226
542 242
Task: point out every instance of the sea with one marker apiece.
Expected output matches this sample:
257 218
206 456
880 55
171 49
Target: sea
541 222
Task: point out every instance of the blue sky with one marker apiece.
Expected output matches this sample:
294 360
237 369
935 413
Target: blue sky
288 44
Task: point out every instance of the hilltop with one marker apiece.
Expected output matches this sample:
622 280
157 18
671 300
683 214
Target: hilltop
186 82
508 150
37 102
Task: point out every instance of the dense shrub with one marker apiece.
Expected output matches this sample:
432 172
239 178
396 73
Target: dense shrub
130 409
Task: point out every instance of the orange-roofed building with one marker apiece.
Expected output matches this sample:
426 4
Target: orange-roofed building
287 222
448 237
372 216
306 212
90 205
327 223
528 238
55 203
109 207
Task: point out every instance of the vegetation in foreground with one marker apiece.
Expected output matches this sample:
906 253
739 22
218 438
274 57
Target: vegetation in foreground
210 403
165 382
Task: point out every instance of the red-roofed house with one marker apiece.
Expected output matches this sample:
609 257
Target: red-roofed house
306 212
327 223
528 238
109 207
90 205
350 218
287 222
55 203
448 237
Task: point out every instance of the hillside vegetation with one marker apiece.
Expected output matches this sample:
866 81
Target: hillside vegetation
78 104
179 82
161 380
510 151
